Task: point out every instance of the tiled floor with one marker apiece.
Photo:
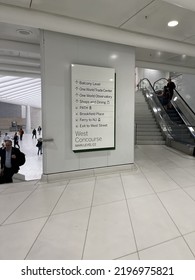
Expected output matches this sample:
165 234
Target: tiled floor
32 169
148 213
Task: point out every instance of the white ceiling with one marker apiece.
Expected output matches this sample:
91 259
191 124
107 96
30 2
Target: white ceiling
20 54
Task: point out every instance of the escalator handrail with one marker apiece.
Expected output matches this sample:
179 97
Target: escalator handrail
170 123
159 80
177 94
162 108
185 102
148 82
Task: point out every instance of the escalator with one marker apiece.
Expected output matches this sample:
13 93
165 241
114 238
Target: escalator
177 123
180 131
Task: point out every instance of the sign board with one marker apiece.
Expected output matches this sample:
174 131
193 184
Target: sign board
93 107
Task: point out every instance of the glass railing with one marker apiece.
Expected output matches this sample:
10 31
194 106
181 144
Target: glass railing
170 129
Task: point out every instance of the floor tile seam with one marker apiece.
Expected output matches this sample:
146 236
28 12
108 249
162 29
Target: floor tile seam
65 187
36 238
179 184
45 189
130 220
152 194
15 192
190 232
140 196
21 183
69 211
141 150
168 190
18 206
175 225
164 168
55 184
88 222
48 189
189 186
81 179
168 175
164 242
188 195
107 175
24 221
193 253
37 181
156 192
118 258
107 203
186 170
33 243
164 207
172 150
35 198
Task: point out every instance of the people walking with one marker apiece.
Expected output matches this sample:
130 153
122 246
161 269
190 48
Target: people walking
6 137
39 130
34 134
39 146
16 139
11 160
171 86
21 133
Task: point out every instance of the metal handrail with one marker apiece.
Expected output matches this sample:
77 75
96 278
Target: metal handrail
167 125
177 94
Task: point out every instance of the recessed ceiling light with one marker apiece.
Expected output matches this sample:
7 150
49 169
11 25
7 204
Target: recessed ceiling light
113 56
24 32
172 23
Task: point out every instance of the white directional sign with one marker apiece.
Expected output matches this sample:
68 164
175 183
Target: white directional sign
93 107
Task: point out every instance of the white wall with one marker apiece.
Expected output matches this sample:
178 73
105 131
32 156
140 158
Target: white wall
36 119
188 89
59 51
151 74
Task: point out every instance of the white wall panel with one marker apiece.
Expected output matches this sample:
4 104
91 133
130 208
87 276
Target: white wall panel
58 53
153 75
20 3
188 90
35 117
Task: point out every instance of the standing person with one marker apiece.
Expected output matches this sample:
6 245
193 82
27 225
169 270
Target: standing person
10 161
21 133
6 137
164 97
39 130
34 133
39 146
171 86
16 138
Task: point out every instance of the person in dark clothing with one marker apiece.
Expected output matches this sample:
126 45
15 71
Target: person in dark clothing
39 146
39 130
164 97
34 133
171 86
10 158
16 139
21 133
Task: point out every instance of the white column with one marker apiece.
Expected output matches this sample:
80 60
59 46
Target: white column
28 119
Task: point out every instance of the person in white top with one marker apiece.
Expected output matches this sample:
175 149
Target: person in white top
6 137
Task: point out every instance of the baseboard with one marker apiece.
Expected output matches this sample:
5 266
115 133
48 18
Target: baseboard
86 173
